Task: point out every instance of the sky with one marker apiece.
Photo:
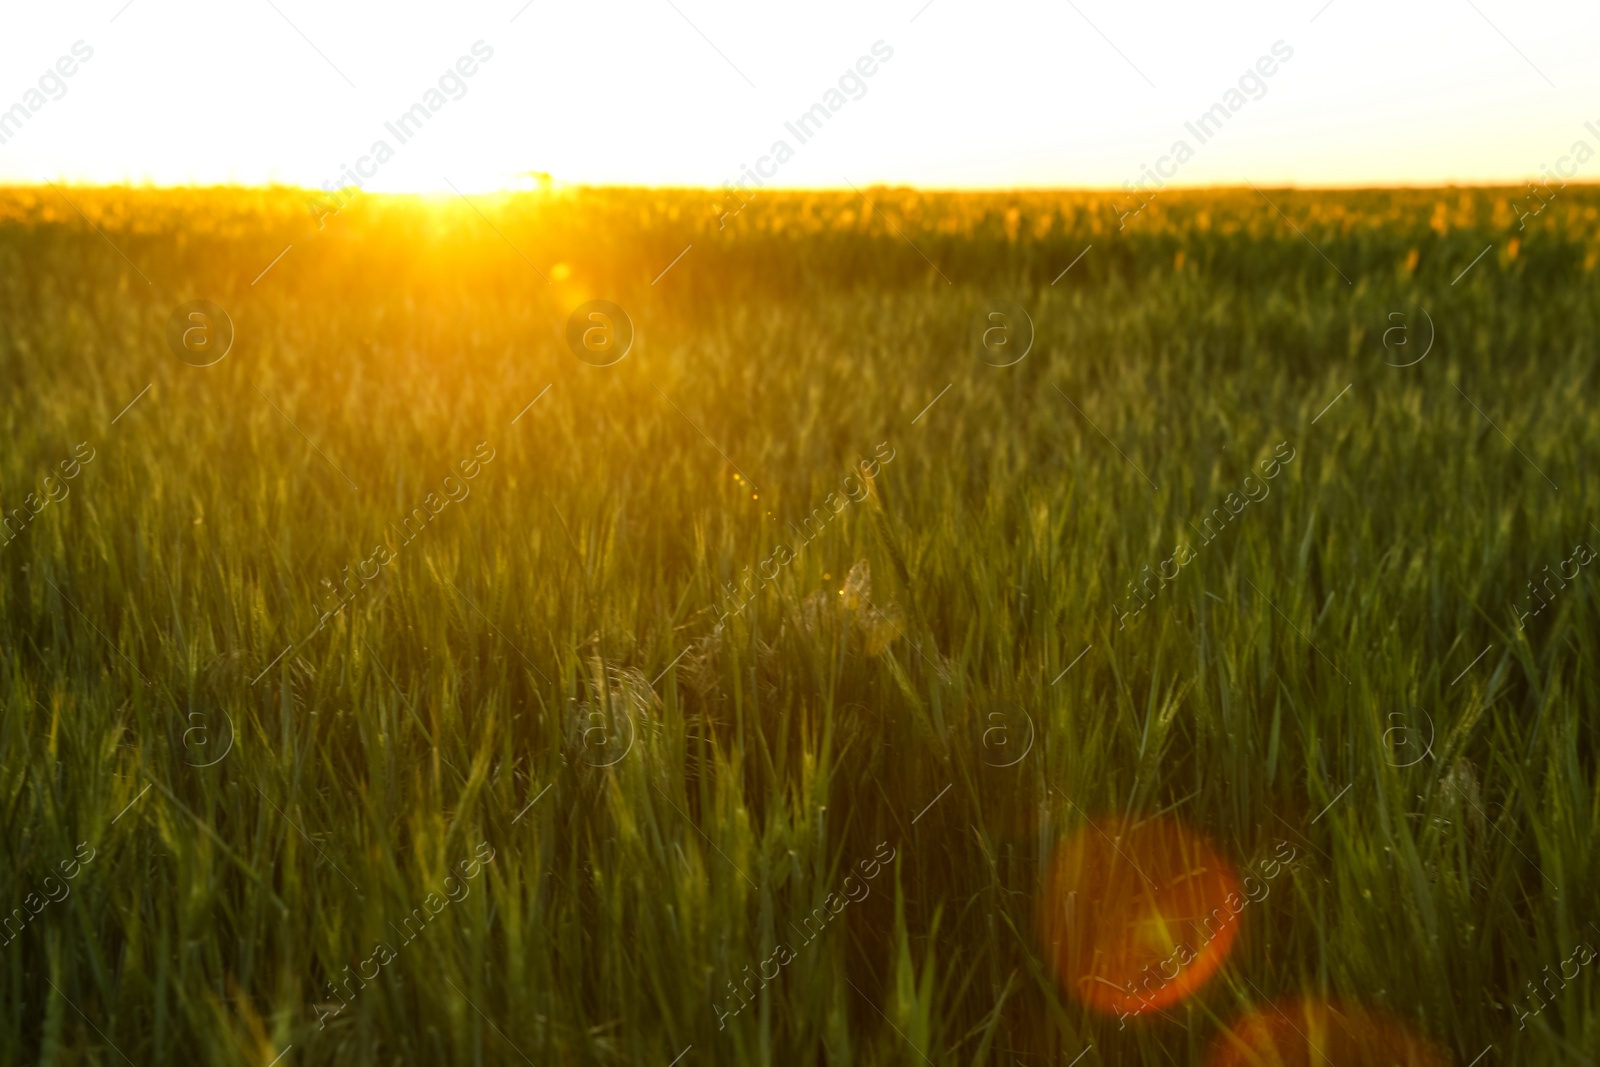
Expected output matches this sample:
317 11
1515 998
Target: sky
960 94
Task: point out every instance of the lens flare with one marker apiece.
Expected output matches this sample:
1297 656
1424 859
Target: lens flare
1308 1033
1137 915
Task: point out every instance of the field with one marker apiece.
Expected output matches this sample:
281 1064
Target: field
402 688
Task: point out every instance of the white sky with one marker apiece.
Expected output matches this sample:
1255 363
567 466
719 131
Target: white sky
997 93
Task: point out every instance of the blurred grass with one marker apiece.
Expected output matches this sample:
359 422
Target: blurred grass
140 617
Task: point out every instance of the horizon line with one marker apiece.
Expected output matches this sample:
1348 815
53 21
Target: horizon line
549 186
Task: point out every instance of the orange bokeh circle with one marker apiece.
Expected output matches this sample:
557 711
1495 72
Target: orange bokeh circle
1137 914
1312 1033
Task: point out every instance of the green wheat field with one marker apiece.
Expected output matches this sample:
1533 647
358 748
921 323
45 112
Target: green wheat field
403 688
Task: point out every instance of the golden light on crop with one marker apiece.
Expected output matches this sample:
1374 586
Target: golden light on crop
1306 1033
1137 915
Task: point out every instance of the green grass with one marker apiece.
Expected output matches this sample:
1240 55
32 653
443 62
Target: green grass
451 703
